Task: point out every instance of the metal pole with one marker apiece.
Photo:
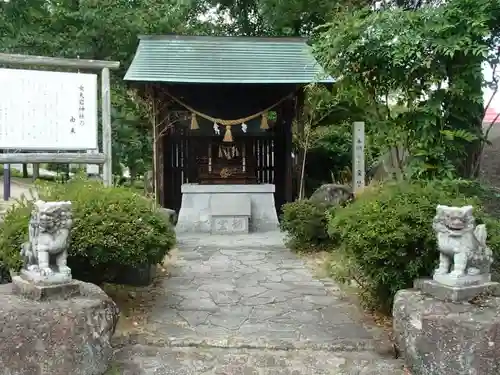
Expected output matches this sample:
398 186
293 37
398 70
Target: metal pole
6 182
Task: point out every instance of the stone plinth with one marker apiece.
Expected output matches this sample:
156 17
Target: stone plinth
445 338
456 293
203 205
468 280
230 213
57 337
40 292
37 278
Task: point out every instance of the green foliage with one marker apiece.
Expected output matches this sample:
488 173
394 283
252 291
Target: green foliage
112 227
103 30
422 89
387 238
13 172
306 225
325 136
270 17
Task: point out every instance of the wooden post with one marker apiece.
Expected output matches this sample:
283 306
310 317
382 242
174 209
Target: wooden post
299 157
289 114
30 60
51 157
107 170
358 157
150 94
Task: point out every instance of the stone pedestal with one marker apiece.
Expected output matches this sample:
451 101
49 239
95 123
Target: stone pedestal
40 292
227 209
449 293
439 337
230 213
56 337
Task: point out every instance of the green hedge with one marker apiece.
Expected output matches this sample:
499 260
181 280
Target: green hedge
386 235
13 172
305 223
113 227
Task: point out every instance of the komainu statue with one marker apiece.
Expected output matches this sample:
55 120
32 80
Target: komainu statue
46 252
464 257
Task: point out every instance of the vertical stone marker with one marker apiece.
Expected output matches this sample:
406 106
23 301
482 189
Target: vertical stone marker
358 157
52 324
448 325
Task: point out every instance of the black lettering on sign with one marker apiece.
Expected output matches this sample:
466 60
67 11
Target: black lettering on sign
81 108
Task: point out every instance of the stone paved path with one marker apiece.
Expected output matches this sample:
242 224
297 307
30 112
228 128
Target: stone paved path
247 305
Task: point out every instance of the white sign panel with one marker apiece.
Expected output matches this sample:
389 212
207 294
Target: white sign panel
43 111
358 156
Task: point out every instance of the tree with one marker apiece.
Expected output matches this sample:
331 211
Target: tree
428 61
105 30
273 17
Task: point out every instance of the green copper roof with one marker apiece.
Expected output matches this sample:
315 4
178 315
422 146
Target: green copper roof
210 59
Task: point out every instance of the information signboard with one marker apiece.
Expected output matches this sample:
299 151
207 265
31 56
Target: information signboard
46 110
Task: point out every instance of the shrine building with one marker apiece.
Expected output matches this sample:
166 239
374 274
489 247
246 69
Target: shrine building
223 111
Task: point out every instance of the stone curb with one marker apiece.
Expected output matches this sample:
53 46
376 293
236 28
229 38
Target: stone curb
342 345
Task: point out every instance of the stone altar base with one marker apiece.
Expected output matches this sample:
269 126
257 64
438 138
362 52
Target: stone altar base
444 338
227 209
57 337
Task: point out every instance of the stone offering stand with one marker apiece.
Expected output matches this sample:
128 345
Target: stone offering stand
227 209
52 324
449 325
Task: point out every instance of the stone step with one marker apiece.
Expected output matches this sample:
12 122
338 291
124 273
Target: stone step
149 360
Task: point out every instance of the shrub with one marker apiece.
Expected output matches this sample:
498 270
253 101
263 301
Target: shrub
13 172
112 227
306 225
387 234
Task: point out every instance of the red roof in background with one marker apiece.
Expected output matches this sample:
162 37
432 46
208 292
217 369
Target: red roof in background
490 116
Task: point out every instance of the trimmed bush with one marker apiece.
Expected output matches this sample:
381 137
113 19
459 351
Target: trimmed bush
112 227
387 237
306 224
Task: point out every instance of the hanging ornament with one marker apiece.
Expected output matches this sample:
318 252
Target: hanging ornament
194 122
228 136
216 129
244 127
263 123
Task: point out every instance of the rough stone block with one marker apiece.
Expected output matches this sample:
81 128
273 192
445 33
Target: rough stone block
39 292
58 337
454 293
445 338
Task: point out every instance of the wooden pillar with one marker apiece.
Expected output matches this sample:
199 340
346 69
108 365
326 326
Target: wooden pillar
299 156
158 142
288 116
